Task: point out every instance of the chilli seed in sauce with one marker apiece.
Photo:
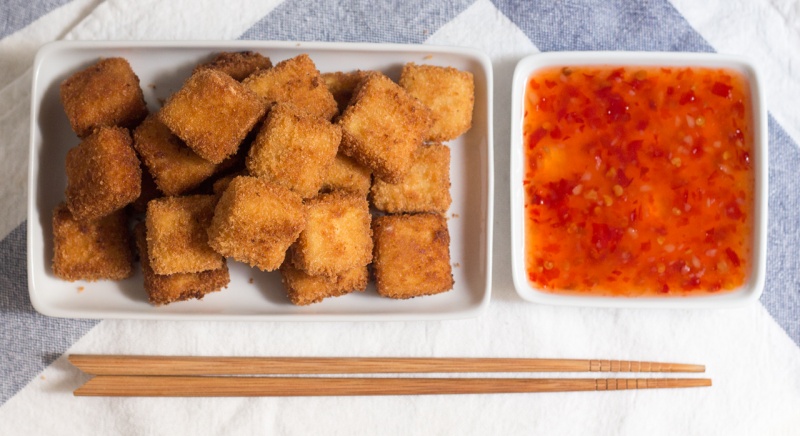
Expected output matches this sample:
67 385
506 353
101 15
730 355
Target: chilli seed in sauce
638 181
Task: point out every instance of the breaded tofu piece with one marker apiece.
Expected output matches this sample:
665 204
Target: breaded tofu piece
104 94
304 289
149 191
238 65
294 149
412 255
347 175
426 187
174 166
383 127
91 250
103 174
212 113
177 239
165 289
448 92
256 221
337 236
297 81
221 184
342 85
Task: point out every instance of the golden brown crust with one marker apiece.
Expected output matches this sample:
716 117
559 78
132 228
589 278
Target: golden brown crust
297 81
256 221
347 175
304 289
337 236
177 241
343 85
212 113
104 94
426 187
294 150
103 174
238 65
412 255
383 127
149 191
448 92
166 289
174 166
91 250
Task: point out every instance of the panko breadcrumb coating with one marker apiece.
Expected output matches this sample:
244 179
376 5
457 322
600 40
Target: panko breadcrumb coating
103 174
105 94
166 289
342 85
212 113
337 236
448 92
221 184
383 127
238 65
294 149
297 81
304 289
91 250
256 221
174 166
426 187
412 255
149 191
177 241
348 175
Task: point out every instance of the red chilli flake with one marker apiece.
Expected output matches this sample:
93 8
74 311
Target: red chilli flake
721 89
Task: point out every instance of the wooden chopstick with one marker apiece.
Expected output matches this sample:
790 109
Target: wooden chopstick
168 386
205 366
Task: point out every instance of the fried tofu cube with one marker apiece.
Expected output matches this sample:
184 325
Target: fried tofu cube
238 65
426 187
166 289
304 289
177 239
212 113
174 166
383 127
347 175
256 221
297 81
91 250
103 174
294 149
342 86
149 192
337 236
105 94
448 92
412 255
221 184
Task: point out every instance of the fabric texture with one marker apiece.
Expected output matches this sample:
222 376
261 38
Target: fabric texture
752 353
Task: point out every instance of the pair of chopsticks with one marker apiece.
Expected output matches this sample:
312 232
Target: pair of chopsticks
180 376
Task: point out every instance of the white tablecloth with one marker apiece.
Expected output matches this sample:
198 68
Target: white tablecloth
752 353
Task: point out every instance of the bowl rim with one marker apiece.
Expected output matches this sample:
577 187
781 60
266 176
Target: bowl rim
747 293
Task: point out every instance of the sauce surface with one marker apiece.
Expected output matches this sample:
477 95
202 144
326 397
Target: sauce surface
638 180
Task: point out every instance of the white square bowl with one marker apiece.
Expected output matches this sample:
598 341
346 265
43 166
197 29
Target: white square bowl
254 295
751 290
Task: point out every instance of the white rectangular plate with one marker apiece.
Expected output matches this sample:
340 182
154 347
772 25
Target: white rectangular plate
252 294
